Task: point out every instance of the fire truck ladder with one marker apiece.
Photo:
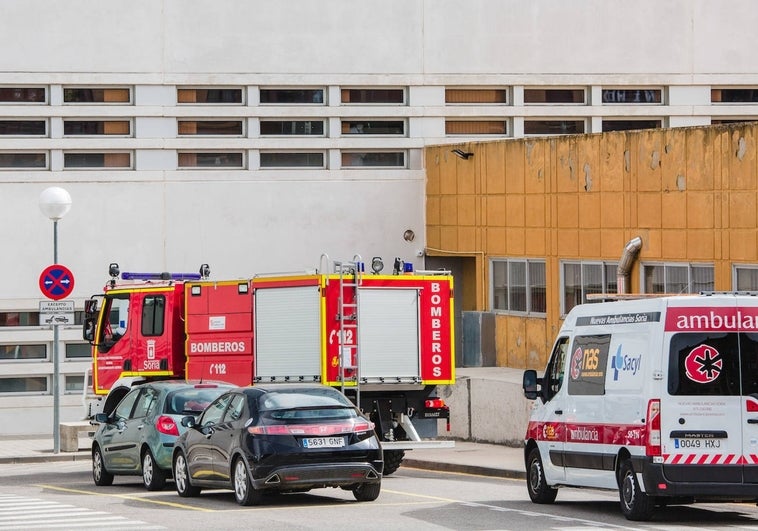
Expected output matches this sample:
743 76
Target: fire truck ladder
351 277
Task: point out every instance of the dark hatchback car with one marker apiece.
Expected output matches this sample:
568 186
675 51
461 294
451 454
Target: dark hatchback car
279 438
138 436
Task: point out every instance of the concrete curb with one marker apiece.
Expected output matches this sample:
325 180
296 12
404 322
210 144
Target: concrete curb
464 469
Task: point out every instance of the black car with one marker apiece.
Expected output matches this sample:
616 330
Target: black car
279 437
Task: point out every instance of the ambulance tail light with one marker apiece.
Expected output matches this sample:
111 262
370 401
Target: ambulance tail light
166 425
653 428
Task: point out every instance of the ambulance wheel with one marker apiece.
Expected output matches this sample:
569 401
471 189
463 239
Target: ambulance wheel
392 460
536 484
635 504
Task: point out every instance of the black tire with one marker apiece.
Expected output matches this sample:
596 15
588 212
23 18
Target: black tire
536 484
635 504
153 476
184 487
244 492
392 460
100 475
366 492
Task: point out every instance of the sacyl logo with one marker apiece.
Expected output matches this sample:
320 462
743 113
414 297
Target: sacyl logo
623 363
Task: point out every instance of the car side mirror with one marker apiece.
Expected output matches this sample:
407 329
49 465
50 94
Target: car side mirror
101 418
530 384
189 421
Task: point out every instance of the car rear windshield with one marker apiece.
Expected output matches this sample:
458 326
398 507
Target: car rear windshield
191 401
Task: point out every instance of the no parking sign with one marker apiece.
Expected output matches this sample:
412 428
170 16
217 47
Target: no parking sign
56 282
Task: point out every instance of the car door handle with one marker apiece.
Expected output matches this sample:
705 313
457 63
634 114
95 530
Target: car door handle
559 412
752 421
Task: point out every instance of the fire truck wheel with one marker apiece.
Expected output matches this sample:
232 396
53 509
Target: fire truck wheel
153 476
366 492
635 504
102 477
392 460
536 484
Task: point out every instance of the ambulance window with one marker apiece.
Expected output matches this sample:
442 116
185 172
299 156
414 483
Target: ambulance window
704 364
153 312
749 357
555 370
587 365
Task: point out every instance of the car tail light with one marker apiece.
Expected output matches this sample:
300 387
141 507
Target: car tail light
166 425
359 426
653 428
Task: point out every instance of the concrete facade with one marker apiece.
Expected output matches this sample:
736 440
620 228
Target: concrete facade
153 214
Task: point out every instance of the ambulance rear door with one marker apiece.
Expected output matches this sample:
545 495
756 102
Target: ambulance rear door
703 424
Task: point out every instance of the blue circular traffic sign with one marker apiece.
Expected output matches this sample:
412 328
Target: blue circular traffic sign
56 282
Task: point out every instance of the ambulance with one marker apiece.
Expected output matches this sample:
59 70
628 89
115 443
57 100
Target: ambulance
655 397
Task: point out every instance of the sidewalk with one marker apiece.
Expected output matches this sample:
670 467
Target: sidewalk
466 457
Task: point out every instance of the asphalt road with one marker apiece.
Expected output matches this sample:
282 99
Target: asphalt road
62 496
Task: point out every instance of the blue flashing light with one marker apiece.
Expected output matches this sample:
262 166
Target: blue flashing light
126 275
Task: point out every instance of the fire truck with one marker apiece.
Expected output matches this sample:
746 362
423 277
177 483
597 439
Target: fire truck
385 340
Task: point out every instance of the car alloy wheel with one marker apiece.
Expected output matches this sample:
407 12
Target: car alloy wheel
153 476
100 475
184 488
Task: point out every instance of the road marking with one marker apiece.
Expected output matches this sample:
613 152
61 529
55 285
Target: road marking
22 513
129 497
522 512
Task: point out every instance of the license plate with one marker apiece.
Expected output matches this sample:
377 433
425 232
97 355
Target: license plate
324 442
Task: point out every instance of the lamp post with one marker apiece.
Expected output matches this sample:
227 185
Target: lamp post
55 202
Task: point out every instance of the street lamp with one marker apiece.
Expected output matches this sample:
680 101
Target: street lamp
55 202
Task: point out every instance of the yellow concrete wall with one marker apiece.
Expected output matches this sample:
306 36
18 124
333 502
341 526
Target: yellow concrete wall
690 193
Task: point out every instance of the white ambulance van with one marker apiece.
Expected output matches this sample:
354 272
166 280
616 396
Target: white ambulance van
655 397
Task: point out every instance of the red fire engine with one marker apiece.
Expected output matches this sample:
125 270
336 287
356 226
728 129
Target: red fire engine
385 340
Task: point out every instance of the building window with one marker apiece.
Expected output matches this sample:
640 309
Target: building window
630 125
677 278
292 159
476 96
518 286
211 160
291 96
583 278
724 121
553 127
23 127
745 277
23 161
734 95
209 95
210 127
23 352
23 384
632 96
96 95
292 127
373 127
22 95
74 383
354 159
476 127
96 160
96 127
78 350
541 96
391 96
19 318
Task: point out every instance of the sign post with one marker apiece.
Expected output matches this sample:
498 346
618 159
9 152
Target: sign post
56 282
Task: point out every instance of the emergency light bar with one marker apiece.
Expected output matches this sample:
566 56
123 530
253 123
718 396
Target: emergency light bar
126 275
